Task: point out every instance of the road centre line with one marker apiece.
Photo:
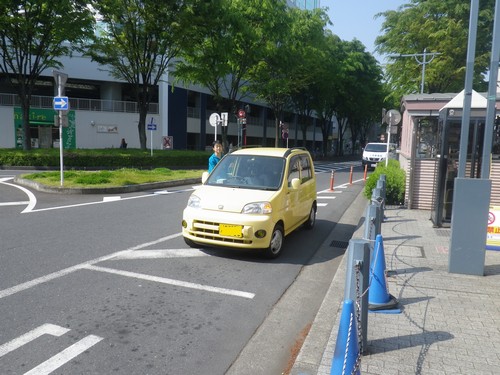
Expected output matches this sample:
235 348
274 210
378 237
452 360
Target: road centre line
168 281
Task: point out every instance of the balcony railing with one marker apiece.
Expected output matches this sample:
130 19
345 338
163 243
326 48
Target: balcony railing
78 104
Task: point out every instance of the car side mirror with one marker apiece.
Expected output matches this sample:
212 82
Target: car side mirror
295 183
204 177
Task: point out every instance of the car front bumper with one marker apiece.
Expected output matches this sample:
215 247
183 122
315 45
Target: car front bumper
227 230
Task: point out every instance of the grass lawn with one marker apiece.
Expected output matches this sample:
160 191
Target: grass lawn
111 178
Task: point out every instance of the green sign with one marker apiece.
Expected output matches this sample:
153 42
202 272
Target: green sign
43 120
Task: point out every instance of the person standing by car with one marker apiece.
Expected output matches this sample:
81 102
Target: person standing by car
216 156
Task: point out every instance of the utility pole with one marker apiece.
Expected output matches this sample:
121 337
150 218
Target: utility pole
424 61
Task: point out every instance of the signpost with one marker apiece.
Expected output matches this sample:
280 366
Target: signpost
392 118
214 120
61 103
151 128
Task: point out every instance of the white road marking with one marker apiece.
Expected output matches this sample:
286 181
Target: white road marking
163 254
322 204
64 356
122 254
40 280
326 197
32 199
45 329
111 199
164 280
20 203
102 202
55 275
328 191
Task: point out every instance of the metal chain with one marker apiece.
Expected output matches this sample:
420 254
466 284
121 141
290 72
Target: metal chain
357 271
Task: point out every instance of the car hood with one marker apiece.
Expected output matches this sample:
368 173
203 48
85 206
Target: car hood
229 199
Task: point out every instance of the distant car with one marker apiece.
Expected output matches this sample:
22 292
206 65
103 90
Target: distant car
253 198
374 153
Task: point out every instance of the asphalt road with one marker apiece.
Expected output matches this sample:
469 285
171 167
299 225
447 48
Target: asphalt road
102 284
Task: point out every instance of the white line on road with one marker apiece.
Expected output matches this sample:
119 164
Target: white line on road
45 329
20 203
55 275
32 199
164 280
119 254
65 356
163 254
326 197
105 201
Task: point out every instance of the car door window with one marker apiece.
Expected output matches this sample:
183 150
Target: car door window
294 170
305 172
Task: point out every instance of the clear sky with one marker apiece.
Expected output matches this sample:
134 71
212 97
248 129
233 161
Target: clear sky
355 19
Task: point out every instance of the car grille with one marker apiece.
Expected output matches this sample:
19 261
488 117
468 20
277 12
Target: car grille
210 230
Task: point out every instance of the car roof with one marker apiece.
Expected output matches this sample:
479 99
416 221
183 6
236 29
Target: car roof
269 151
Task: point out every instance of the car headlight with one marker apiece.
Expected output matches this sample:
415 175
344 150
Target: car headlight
257 208
194 201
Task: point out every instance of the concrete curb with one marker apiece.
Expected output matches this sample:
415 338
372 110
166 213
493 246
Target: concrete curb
111 190
310 356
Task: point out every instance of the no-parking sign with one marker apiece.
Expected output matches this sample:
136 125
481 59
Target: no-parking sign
493 231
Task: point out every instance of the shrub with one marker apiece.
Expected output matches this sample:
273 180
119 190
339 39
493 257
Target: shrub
395 178
104 158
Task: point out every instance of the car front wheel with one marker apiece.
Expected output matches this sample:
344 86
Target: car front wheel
189 242
309 224
276 244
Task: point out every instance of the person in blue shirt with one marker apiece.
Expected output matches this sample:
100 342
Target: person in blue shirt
216 156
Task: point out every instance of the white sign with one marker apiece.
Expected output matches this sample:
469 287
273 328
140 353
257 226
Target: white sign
224 117
214 119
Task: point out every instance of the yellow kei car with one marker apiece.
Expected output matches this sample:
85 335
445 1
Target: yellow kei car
253 198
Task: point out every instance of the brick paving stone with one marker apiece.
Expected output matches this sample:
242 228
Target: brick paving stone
449 324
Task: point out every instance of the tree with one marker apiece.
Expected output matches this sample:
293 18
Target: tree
327 89
439 26
307 49
363 94
137 42
34 34
273 79
228 45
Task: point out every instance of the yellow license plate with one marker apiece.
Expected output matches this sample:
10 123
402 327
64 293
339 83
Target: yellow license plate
230 230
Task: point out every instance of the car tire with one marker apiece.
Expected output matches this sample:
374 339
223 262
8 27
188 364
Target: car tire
311 220
189 242
276 243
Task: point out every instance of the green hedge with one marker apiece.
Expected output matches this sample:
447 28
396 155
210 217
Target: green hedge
104 158
395 182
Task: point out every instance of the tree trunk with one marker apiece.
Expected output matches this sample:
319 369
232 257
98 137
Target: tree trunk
25 107
141 127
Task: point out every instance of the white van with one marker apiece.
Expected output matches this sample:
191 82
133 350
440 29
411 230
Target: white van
374 153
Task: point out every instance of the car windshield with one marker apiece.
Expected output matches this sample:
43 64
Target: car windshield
376 147
248 172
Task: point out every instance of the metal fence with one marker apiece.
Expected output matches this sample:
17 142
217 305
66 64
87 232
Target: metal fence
78 104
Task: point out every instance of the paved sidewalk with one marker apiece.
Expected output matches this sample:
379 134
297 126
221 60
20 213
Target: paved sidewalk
449 324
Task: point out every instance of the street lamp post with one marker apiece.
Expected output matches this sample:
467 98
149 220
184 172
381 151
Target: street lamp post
422 62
